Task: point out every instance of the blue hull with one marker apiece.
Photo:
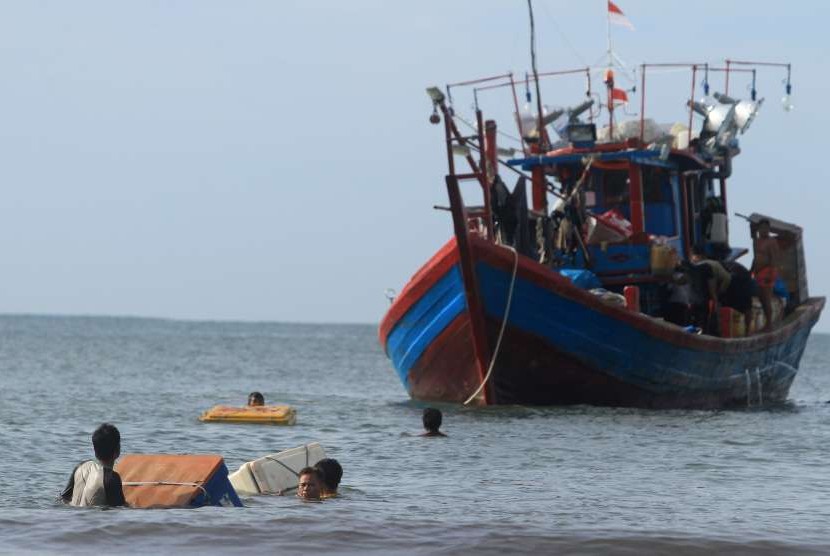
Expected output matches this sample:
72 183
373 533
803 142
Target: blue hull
563 346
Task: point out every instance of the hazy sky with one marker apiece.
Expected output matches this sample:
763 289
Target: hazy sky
273 160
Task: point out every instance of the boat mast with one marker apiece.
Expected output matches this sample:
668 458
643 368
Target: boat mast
609 74
540 115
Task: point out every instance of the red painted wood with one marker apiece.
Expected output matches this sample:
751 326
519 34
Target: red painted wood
635 190
447 370
426 277
475 308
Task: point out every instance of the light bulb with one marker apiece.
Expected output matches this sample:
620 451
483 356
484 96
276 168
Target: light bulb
787 103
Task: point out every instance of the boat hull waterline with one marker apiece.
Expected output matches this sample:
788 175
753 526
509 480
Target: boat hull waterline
563 346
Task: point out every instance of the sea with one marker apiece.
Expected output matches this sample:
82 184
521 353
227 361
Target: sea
559 480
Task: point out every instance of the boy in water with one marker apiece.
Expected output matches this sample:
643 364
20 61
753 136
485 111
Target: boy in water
93 482
765 268
432 422
332 473
256 399
310 484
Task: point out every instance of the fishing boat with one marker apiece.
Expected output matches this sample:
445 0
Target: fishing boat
565 297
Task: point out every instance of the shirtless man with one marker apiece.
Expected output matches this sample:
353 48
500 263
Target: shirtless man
332 473
765 267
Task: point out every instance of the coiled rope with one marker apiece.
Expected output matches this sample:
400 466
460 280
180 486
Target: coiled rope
503 326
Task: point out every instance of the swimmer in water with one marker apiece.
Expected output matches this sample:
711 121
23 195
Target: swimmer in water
94 482
256 399
432 422
332 473
310 484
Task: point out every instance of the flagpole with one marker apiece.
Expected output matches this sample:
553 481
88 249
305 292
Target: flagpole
608 32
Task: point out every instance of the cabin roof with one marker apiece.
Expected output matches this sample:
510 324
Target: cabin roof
652 157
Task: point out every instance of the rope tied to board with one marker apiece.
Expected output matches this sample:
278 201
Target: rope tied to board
167 483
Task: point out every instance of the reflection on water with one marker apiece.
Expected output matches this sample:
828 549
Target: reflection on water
576 479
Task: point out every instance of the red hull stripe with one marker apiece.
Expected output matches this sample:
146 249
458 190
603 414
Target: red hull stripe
418 285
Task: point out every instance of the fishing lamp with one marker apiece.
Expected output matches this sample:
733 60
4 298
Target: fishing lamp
581 135
786 100
435 94
745 110
720 126
437 97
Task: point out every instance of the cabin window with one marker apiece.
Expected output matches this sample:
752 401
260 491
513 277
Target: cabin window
655 185
658 201
615 188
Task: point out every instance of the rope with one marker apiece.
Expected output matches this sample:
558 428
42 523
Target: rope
166 483
503 326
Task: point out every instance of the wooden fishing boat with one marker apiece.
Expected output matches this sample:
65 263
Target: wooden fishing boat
501 314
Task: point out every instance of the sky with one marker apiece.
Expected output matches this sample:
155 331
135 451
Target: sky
273 160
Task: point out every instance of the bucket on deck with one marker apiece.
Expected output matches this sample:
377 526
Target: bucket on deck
175 481
663 259
732 324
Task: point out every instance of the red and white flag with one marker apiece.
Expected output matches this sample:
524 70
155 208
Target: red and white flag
616 16
619 96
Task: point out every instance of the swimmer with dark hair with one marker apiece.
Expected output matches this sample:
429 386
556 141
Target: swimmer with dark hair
432 422
94 482
332 473
310 484
256 399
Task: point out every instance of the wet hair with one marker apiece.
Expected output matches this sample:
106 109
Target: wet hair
432 419
311 471
332 472
256 398
107 442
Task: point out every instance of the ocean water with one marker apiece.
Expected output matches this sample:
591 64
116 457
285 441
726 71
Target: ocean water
577 480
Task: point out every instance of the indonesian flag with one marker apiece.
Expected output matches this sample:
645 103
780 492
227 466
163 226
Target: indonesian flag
616 16
619 96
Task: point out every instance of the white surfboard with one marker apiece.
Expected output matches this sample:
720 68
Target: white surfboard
275 473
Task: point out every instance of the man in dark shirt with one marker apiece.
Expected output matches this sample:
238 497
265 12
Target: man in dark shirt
94 482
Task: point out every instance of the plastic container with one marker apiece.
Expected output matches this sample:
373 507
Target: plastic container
662 259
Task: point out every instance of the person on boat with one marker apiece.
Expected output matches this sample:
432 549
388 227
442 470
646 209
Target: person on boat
432 422
765 267
725 287
256 399
716 280
94 482
332 473
309 486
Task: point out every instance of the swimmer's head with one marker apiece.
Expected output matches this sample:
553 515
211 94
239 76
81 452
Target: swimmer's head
256 398
432 419
106 440
332 473
310 483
